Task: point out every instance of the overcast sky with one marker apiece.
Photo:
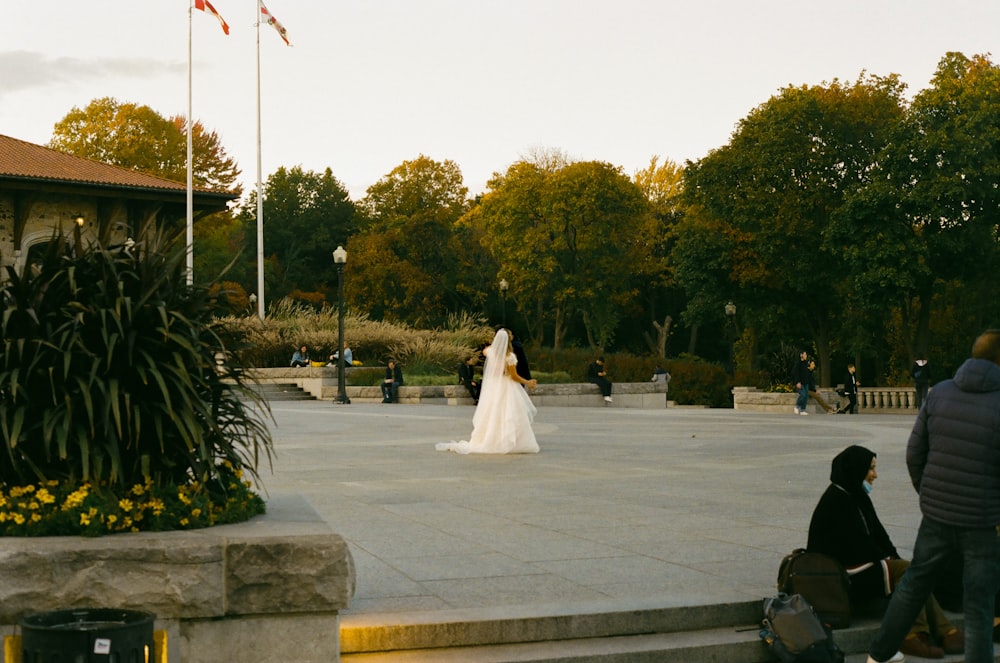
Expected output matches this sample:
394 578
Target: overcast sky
368 84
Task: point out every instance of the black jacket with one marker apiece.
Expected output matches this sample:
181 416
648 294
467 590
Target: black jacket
845 526
800 373
466 374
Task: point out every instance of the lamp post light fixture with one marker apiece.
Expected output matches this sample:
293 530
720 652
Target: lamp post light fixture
730 309
503 301
339 260
78 221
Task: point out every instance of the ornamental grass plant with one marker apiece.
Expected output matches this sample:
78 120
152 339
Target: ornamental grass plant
114 413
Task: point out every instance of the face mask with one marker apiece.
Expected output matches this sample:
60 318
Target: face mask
867 486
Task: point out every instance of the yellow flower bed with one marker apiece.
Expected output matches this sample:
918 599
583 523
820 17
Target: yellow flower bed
54 508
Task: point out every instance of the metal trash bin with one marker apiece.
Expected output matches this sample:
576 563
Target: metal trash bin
87 635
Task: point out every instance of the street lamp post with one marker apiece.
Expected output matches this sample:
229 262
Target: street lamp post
731 333
78 221
503 301
339 260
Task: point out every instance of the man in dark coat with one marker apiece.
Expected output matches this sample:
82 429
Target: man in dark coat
851 390
522 367
467 376
953 456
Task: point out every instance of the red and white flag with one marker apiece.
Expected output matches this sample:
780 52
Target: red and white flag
269 18
206 6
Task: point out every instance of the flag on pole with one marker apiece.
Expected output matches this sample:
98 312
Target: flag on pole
269 18
206 6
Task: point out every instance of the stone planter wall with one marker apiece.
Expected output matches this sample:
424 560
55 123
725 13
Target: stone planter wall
267 590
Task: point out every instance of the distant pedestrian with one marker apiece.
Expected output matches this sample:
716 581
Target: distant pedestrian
921 373
597 375
851 390
800 378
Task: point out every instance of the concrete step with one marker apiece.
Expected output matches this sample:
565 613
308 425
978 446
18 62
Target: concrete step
283 392
726 633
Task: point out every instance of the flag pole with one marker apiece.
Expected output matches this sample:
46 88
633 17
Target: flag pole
260 192
190 180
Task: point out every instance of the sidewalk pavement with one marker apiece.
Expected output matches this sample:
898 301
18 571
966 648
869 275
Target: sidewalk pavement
622 509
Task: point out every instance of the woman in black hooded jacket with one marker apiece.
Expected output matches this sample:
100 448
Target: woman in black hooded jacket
846 527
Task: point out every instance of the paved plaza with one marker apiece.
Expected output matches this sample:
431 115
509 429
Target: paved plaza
622 508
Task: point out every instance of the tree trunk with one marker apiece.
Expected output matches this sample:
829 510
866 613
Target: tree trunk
662 334
693 341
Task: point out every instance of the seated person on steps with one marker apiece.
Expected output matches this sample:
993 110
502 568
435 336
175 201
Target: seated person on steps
300 357
348 357
597 375
390 385
846 527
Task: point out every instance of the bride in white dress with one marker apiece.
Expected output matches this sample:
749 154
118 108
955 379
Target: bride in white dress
502 422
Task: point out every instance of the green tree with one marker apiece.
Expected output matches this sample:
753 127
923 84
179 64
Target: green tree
407 262
661 183
774 187
306 216
566 241
929 217
137 137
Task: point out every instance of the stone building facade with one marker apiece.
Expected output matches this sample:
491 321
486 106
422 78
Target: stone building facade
43 191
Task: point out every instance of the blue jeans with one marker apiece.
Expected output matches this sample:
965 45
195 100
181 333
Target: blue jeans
802 402
981 579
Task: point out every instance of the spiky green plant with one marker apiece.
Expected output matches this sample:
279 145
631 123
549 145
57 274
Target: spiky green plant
109 373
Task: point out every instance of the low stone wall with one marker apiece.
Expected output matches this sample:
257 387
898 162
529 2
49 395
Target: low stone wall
270 589
871 400
322 383
625 395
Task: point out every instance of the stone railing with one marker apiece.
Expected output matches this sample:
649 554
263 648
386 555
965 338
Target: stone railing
322 383
243 592
871 400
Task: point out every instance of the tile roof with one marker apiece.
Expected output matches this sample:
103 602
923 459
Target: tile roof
20 160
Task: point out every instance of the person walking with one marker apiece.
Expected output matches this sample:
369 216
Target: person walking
814 390
800 378
502 421
851 390
953 456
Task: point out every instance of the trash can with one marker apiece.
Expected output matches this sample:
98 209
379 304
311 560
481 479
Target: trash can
87 635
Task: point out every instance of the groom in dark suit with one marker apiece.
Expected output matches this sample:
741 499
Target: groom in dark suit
467 376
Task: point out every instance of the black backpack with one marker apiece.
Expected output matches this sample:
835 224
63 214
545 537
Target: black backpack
794 634
822 581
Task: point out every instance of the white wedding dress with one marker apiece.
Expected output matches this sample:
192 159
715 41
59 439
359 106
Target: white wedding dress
502 422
